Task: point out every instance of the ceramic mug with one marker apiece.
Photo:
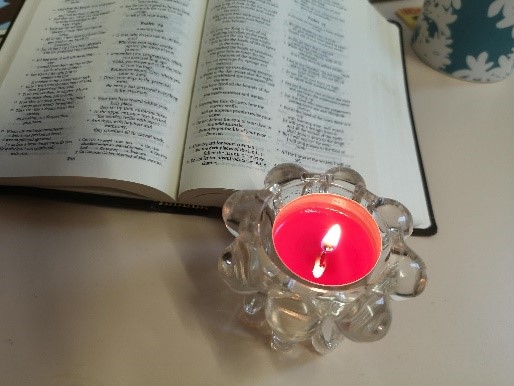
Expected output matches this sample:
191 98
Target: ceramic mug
471 40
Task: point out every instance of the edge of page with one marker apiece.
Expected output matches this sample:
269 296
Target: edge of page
110 201
432 229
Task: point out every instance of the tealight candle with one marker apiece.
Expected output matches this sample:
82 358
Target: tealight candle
327 239
314 264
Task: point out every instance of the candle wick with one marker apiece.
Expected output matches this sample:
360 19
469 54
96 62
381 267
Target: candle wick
322 258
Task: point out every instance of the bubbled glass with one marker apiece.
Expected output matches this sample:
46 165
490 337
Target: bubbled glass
297 310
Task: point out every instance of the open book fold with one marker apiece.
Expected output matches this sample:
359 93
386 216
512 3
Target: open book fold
187 101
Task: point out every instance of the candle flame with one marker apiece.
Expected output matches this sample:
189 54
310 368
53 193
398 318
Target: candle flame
328 244
332 238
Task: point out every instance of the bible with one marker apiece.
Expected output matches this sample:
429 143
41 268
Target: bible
187 101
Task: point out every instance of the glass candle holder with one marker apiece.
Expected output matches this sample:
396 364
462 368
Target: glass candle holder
338 286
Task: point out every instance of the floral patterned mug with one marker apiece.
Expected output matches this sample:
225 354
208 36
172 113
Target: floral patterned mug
471 40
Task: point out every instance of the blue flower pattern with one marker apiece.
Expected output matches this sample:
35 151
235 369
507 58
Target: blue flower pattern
486 57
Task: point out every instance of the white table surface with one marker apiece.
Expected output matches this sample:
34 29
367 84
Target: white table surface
103 296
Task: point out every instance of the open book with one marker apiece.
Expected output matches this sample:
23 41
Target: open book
186 101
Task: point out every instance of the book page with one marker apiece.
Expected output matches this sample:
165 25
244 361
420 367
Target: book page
278 81
314 83
399 174
101 89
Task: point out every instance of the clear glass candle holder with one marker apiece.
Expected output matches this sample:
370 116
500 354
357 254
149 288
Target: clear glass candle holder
298 310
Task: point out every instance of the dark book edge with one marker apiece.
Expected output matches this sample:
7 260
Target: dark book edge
11 22
110 201
432 229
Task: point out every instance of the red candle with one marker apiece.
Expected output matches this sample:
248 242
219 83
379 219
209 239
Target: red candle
327 239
